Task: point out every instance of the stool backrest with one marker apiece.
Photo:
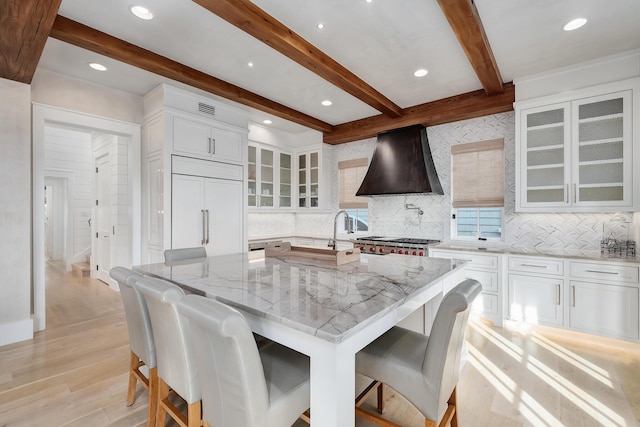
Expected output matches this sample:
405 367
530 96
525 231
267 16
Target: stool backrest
235 391
172 334
441 364
173 255
139 327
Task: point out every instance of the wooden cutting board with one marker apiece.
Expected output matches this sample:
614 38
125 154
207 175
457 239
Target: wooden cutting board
285 250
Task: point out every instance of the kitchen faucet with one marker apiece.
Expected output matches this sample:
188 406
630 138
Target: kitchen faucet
332 242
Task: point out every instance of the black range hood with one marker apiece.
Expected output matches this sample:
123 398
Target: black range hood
401 164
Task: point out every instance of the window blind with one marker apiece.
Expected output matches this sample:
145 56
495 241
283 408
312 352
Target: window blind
352 173
478 174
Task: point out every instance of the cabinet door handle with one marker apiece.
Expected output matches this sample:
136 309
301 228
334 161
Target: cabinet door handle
558 294
602 272
566 195
203 226
573 296
575 193
207 211
213 146
534 265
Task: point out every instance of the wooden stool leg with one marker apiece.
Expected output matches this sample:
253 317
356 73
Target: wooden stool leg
163 393
453 402
153 397
381 398
131 390
194 414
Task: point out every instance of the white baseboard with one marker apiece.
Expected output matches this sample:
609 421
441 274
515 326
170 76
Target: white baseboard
16 331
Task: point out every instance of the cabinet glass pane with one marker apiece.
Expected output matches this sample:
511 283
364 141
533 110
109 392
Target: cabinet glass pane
314 190
314 175
598 152
545 177
252 200
600 129
545 137
541 196
285 202
595 194
314 160
251 171
601 173
602 108
266 174
545 157
266 201
545 118
302 161
267 157
252 154
285 161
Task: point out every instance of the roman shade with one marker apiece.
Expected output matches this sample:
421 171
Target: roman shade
352 173
478 174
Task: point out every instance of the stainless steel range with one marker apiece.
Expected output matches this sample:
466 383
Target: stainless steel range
380 245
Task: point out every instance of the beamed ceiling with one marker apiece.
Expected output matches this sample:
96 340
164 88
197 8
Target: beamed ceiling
362 59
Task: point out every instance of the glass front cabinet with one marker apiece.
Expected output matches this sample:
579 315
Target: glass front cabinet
268 178
576 155
309 180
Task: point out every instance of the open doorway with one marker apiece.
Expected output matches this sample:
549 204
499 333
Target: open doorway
68 175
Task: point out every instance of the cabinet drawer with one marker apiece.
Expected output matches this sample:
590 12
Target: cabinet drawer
489 262
536 265
604 272
488 279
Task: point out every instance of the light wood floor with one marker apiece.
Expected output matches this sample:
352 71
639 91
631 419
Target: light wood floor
74 373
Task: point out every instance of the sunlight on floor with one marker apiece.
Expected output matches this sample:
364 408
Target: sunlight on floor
519 394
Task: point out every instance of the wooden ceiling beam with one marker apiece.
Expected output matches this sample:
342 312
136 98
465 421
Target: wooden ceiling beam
254 21
465 21
80 35
460 107
24 28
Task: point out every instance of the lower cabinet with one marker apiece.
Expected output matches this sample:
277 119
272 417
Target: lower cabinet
604 309
536 299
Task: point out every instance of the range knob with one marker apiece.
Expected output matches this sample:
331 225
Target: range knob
361 248
380 250
421 253
415 253
406 252
393 251
371 250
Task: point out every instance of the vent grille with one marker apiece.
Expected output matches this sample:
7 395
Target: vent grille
206 109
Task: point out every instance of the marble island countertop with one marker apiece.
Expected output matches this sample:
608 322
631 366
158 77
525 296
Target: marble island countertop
593 255
327 301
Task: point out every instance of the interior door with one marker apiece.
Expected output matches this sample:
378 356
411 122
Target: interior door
188 219
224 207
104 227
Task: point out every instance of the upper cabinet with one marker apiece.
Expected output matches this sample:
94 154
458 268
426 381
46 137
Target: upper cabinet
269 177
309 179
577 154
199 138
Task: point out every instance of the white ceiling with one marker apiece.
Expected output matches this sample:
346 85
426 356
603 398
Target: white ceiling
382 42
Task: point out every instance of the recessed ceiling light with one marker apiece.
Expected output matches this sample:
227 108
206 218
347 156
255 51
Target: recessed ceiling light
421 72
249 64
320 26
326 102
98 67
368 1
141 12
575 24
267 122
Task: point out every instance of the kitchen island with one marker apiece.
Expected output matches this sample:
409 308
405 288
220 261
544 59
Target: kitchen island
325 311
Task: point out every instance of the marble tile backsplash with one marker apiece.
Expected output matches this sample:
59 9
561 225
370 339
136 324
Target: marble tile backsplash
388 216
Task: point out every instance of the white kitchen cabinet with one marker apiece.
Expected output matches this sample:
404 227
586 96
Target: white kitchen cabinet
207 212
203 139
309 179
578 154
269 178
487 269
189 134
536 299
604 299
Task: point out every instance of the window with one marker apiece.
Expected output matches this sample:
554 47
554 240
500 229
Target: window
352 173
477 189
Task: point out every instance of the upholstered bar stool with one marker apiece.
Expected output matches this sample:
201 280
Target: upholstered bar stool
174 347
423 369
241 384
141 344
173 255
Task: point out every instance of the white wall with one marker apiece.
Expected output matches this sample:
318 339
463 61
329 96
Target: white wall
15 212
69 151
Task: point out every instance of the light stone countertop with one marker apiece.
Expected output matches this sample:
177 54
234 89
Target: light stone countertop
592 255
327 301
